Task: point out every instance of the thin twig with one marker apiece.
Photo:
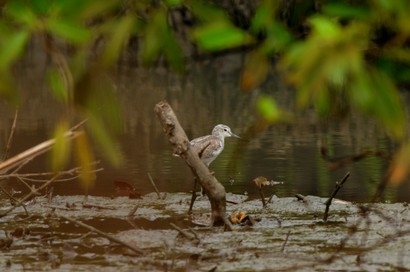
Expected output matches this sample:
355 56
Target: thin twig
12 198
10 139
32 193
285 242
103 234
153 185
26 184
328 202
133 211
74 173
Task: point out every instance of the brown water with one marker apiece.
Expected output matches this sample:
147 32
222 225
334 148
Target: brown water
207 95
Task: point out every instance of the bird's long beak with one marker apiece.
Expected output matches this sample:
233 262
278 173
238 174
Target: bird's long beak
235 136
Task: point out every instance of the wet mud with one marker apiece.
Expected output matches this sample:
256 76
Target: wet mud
288 235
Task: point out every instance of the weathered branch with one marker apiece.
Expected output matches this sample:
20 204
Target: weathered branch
180 144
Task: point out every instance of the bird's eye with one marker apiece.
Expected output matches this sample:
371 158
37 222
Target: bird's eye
225 129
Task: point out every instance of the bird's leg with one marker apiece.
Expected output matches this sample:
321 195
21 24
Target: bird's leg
191 205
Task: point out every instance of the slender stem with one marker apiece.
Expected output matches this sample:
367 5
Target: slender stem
10 140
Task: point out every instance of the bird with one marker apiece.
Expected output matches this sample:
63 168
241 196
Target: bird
209 147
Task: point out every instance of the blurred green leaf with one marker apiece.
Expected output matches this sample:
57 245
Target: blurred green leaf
173 3
153 40
206 12
12 49
58 86
71 31
268 108
93 9
173 53
60 152
21 12
220 35
101 134
85 159
8 89
322 102
375 94
40 7
344 10
120 34
325 28
278 38
264 16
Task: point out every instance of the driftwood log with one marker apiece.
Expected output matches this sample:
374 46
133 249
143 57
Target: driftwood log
180 144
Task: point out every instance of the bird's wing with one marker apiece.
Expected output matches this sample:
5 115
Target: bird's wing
200 144
205 147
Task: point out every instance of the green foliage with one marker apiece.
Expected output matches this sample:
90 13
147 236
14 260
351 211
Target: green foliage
158 38
268 109
355 50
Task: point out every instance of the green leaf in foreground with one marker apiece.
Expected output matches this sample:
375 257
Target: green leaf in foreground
119 36
268 109
220 35
12 48
104 140
57 86
70 31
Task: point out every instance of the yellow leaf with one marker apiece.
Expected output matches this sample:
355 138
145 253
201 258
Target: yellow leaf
255 70
85 158
60 152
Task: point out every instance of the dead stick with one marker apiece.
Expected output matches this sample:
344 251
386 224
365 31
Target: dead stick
9 141
153 185
328 202
285 242
133 211
32 152
103 234
29 154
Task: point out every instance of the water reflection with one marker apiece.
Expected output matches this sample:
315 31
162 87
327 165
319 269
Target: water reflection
207 95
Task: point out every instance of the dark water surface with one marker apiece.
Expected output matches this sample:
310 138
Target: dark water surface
207 95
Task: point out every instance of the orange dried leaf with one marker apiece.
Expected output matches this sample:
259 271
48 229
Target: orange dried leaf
255 71
400 166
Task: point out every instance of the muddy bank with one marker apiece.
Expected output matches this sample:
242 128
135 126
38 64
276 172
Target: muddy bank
289 234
